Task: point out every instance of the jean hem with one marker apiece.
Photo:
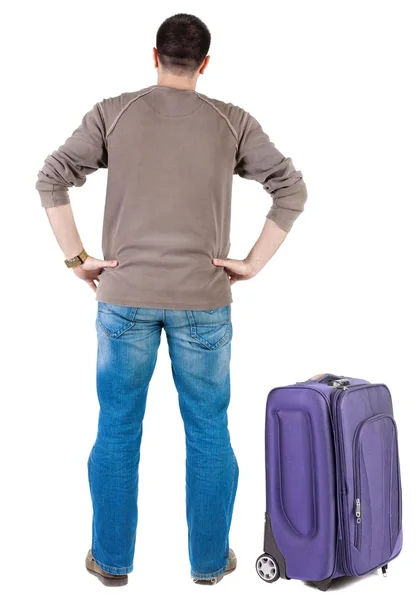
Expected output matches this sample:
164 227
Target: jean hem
114 570
196 575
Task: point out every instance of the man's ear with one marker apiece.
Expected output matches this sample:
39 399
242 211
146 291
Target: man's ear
204 65
155 58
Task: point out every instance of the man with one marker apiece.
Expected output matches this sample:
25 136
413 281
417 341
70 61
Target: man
171 153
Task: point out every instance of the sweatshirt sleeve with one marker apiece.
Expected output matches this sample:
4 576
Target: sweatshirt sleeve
81 154
258 159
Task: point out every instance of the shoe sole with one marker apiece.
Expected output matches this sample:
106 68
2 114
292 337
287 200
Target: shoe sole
109 581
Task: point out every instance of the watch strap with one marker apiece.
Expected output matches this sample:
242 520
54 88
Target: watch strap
79 259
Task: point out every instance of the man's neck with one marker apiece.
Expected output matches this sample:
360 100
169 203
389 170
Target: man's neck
180 83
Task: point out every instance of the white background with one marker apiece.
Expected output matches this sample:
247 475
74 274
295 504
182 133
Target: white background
334 85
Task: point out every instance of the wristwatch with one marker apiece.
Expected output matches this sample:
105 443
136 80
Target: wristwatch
77 260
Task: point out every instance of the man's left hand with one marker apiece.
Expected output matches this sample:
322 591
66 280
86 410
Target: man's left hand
238 270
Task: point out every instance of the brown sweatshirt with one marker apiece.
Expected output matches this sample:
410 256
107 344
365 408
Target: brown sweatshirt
171 155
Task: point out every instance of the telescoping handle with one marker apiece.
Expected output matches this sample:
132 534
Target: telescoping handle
329 379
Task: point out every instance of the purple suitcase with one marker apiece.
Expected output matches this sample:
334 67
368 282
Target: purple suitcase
333 484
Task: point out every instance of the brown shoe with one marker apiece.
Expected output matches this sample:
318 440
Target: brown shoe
229 569
108 579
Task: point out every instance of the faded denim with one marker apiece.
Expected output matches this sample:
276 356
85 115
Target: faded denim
200 347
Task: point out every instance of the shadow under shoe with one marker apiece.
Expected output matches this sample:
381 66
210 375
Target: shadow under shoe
108 579
231 566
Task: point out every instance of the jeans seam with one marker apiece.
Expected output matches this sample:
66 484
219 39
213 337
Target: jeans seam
233 482
223 569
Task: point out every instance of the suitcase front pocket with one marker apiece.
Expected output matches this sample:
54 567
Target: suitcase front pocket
377 501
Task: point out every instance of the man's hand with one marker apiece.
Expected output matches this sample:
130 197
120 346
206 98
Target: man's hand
64 228
90 270
238 270
270 240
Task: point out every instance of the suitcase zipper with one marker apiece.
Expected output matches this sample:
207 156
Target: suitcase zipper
342 495
356 475
342 500
358 527
357 486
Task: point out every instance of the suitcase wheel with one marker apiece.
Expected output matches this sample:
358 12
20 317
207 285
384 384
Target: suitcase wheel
267 568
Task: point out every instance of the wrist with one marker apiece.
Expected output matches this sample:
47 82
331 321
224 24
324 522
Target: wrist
254 265
75 251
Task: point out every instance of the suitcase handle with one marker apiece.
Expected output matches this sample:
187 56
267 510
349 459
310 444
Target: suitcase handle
324 378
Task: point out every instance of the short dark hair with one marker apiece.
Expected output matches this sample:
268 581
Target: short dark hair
182 43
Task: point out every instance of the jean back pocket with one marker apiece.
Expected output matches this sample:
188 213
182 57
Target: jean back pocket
212 329
114 320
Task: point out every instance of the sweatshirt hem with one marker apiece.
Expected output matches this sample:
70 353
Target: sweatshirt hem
138 303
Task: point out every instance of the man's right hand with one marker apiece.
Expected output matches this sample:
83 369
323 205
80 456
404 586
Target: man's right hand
90 270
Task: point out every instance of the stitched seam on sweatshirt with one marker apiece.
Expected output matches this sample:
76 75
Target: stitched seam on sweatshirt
231 127
122 111
101 110
173 116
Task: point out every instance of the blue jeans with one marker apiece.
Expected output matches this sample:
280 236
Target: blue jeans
199 347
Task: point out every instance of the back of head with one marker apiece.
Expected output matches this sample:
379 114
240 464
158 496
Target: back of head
182 43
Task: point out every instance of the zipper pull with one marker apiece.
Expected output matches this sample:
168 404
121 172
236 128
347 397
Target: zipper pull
358 511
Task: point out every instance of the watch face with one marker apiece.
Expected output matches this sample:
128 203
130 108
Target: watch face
72 262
